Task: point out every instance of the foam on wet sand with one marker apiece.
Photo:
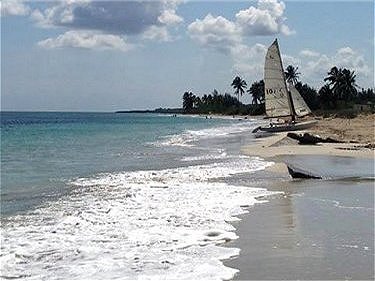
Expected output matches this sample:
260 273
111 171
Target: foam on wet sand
159 224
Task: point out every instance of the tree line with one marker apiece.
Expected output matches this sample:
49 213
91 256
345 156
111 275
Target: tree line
216 103
339 92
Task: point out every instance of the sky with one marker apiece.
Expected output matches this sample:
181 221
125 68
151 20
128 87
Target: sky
121 55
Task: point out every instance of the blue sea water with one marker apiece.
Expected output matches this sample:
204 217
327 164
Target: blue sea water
105 195
41 151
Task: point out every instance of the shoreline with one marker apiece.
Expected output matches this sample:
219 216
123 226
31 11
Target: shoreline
355 134
280 145
304 235
317 229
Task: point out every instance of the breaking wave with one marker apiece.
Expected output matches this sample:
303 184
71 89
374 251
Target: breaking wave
151 224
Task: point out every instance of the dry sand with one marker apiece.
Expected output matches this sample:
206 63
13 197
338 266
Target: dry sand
359 130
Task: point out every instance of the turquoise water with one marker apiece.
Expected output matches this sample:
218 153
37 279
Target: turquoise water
134 196
139 196
40 152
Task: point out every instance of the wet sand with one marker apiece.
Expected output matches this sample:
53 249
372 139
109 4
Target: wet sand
316 230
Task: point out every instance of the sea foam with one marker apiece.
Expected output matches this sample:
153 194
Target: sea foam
159 224
188 138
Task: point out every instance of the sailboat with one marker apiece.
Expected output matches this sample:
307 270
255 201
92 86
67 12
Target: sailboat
282 98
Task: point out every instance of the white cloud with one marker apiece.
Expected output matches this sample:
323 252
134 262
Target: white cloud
220 33
215 32
256 22
266 19
317 67
314 66
290 60
37 16
308 53
227 36
249 61
14 8
157 33
113 17
284 29
86 40
274 7
60 14
346 51
100 24
169 17
344 57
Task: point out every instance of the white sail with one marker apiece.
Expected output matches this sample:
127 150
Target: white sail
276 92
300 105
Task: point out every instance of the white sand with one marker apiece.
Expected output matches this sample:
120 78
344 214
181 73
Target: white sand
273 146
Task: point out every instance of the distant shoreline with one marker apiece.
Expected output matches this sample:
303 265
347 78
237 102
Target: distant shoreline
158 110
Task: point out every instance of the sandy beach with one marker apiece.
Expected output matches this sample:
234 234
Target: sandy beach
317 229
360 128
356 133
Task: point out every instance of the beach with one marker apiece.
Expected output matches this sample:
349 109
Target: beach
317 228
136 140
359 129
148 196
314 231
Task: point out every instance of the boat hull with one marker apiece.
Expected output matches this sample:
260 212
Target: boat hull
296 173
289 127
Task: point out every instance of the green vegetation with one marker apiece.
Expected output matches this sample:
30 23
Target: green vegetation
292 74
239 85
257 92
216 103
340 93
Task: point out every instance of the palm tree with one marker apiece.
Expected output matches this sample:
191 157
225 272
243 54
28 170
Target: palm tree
333 78
239 85
347 85
257 91
188 101
326 97
333 75
215 92
366 95
205 99
292 74
197 102
342 82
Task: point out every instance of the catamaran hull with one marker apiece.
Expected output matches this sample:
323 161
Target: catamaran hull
289 127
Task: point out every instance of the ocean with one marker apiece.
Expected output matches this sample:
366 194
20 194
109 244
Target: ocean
132 196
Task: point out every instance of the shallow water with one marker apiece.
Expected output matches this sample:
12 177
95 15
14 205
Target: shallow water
122 196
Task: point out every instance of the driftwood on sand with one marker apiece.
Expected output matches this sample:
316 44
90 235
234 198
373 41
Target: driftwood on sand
308 138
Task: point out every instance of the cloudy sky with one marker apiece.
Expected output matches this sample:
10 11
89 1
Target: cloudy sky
111 55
